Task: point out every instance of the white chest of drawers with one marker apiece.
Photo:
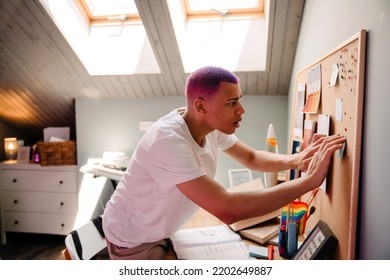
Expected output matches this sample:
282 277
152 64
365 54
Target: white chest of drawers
38 199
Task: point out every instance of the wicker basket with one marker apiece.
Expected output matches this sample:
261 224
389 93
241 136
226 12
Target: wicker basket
57 153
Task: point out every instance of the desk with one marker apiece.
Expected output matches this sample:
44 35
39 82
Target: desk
100 170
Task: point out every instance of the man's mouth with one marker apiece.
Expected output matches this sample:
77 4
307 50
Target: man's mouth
237 123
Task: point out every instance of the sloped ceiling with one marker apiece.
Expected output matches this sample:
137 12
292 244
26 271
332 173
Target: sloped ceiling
40 75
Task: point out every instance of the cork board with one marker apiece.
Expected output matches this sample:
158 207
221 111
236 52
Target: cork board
338 90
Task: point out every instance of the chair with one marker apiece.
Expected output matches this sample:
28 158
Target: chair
86 242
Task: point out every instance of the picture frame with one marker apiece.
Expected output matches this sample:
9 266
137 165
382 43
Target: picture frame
239 176
23 154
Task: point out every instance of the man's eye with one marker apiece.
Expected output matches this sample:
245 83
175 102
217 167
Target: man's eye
232 103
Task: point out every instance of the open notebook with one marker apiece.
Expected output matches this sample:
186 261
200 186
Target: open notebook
209 243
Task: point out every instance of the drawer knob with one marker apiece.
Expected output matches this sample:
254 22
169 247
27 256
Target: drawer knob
62 204
15 201
62 225
14 180
16 222
61 182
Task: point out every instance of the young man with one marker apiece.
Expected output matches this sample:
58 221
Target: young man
170 175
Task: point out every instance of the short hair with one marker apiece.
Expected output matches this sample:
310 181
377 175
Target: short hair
206 81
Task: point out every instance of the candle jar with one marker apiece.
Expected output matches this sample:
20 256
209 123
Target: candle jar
10 148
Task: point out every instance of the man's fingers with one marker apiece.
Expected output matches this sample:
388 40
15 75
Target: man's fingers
323 141
332 144
317 136
334 140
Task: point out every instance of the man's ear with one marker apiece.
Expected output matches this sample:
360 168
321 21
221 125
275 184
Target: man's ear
200 105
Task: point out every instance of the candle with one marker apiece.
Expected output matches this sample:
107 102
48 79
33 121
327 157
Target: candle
10 148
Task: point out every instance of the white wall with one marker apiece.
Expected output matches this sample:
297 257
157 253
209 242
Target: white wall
325 25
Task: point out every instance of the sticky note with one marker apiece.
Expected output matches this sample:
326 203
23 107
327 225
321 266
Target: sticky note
339 110
335 74
342 150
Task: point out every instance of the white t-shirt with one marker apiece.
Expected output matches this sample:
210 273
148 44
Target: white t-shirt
147 206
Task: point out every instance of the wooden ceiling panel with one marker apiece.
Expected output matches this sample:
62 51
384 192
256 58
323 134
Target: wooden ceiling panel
40 75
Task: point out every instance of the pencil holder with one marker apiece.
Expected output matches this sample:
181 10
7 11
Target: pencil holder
288 241
292 224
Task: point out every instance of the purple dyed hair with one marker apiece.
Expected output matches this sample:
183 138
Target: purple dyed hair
205 81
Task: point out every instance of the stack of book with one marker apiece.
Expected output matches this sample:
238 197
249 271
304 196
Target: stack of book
261 233
259 229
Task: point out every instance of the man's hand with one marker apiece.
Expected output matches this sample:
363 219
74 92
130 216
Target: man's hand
320 161
304 157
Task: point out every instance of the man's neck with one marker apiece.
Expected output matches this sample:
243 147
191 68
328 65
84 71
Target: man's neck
197 127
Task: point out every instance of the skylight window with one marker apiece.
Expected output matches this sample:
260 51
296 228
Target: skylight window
103 11
209 8
107 35
231 34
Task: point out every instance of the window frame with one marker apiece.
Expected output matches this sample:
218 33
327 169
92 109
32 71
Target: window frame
103 19
232 13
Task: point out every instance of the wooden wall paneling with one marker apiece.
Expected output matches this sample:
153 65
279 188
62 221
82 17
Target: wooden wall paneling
160 31
41 71
66 58
145 85
30 56
136 86
108 86
12 108
262 84
126 85
13 74
99 85
155 85
295 9
252 80
276 58
166 88
114 80
242 77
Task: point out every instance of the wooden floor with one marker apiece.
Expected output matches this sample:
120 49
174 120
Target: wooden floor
28 246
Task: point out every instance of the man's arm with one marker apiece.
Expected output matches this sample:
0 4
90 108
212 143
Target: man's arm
272 162
232 207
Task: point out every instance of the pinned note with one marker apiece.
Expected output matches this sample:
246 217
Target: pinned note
339 110
334 76
323 124
313 90
341 152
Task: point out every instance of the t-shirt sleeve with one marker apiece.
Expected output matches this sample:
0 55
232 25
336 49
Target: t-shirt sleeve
225 141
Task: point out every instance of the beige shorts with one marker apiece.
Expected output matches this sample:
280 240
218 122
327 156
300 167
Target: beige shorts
146 251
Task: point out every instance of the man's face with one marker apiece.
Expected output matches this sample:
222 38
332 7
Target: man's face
224 109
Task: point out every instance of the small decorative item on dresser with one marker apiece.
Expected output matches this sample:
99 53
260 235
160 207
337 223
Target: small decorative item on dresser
10 148
23 154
